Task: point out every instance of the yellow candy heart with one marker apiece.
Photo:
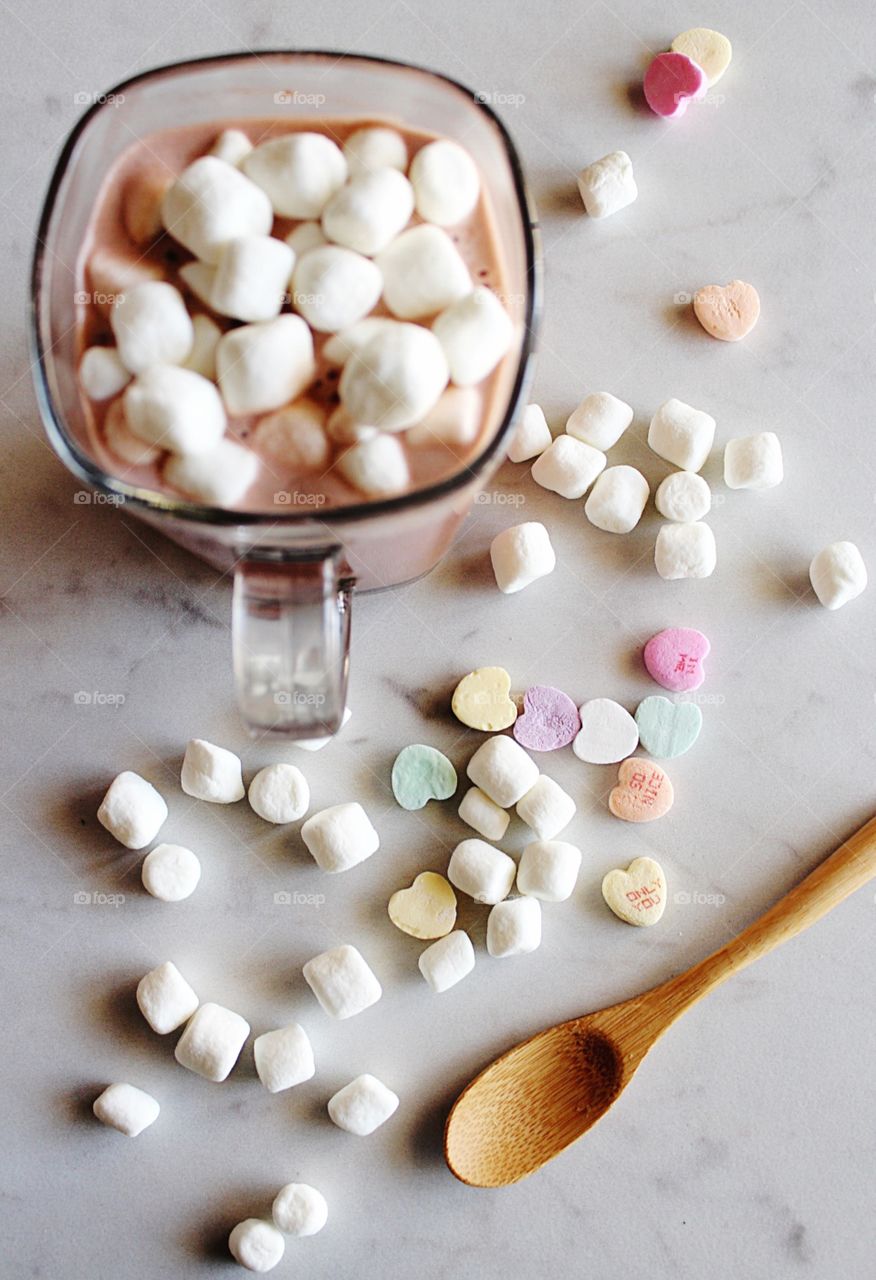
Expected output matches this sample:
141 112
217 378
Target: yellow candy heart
708 49
482 700
637 895
427 909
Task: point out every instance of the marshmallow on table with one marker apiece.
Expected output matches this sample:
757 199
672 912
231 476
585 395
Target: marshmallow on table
532 437
211 773
211 1042
279 793
202 357
219 477
520 555
685 551
447 961
482 813
317 744
446 182
284 1058
514 927
170 872
340 837
126 1108
608 732
369 211
333 287
294 437
475 333
342 981
503 770
151 326
299 1210
617 499
265 365
231 145
548 870
300 172
546 808
363 1105
256 1245
599 420
375 148
753 462
423 272
175 409
111 275
306 236
122 442
454 421
212 202
608 184
683 497
165 999
132 810
141 205
252 276
102 373
682 435
395 377
484 873
838 574
568 467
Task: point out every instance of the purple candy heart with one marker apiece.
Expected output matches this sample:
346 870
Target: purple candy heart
550 719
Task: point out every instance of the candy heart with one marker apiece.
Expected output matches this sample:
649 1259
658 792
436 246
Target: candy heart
421 774
668 729
708 49
608 732
427 909
728 311
671 82
675 658
550 719
643 791
482 700
637 895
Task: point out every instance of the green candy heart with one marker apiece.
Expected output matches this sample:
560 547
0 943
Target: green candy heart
421 774
668 729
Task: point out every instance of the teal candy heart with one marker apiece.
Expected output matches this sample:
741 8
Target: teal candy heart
668 729
421 774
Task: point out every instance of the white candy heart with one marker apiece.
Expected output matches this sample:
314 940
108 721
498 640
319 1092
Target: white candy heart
608 732
637 895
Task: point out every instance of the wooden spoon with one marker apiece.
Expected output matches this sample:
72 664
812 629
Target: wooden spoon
535 1100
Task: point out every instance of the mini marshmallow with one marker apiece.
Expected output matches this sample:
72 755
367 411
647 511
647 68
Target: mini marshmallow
317 744
682 435
284 1058
252 273
123 443
340 346
344 429
340 837
199 278
600 420
299 1210
212 202
256 1245
132 810
532 437
369 211
608 184
211 773
141 205
548 870
300 172
202 357
151 326
446 182
231 145
342 981
685 551
838 574
683 497
568 467
484 873
219 477
102 373
520 555
294 437
211 1042
126 1108
546 808
447 961
394 378
170 872
175 409
617 500
165 999
263 366
475 333
514 927
375 148
279 793
334 287
753 462
111 275
502 769
362 1106
306 236
454 421
423 272
482 813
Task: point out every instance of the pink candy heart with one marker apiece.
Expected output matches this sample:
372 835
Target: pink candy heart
675 657
671 82
550 719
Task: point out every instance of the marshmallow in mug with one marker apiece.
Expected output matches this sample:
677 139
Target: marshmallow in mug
454 421
340 346
377 466
447 961
685 551
446 182
132 810
484 873
202 357
102 373
126 1108
295 437
300 172
599 420
121 440
199 278
682 435
514 927
211 1042
211 773
423 273
174 409
219 478
252 276
342 981
475 333
266 365
395 377
333 287
231 145
375 147
165 999
568 467
369 211
520 555
151 326
112 274
363 1105
617 499
212 202
141 205
304 237
532 437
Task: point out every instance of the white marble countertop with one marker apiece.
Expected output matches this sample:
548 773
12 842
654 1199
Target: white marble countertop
742 1148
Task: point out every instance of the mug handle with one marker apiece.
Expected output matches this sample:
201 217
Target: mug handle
291 640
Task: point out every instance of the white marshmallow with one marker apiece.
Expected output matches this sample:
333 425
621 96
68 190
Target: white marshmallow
568 467
299 1210
334 287
394 378
548 870
175 409
141 204
838 574
617 500
263 366
218 478
514 927
294 437
532 437
446 182
121 440
317 744
202 357
102 373
170 872
520 555
342 981
199 278
753 462
340 837
376 466
546 808
212 202
151 326
423 272
683 497
284 1058
132 810
503 770
453 422
682 435
279 793
685 551
375 148
475 333
111 275
231 145
608 184
484 873
300 172
165 999
256 1245
600 420
306 236
211 773
362 1106
346 430
211 1042
252 275
447 961
369 211
608 732
482 813
340 346
126 1108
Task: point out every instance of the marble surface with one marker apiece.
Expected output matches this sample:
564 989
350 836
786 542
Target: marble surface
744 1146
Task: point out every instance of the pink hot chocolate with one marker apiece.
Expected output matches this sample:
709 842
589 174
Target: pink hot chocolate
675 658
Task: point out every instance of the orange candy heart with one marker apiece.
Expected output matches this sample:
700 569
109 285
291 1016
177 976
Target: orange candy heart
729 311
643 791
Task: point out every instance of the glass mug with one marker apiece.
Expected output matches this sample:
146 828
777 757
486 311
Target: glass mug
294 569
